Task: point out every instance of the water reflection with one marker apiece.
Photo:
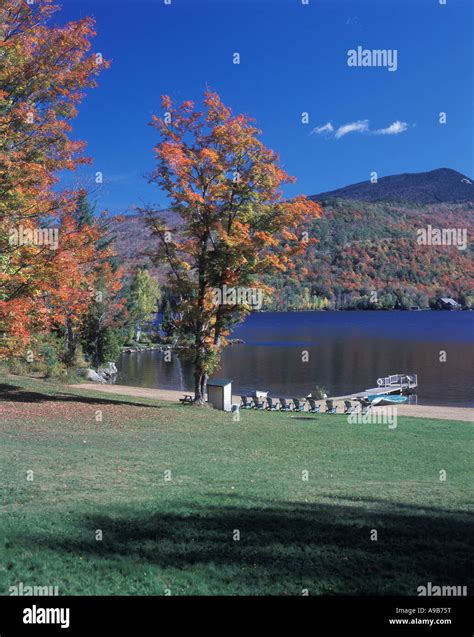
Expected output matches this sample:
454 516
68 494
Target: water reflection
346 351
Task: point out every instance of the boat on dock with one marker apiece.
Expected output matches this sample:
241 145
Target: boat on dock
386 399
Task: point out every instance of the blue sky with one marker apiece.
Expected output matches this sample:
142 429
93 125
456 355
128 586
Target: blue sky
293 59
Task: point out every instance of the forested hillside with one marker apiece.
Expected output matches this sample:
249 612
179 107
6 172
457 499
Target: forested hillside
367 256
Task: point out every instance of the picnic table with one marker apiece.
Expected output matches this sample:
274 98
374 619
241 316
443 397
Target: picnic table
187 399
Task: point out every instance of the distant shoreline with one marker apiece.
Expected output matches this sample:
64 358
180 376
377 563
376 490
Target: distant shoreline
421 309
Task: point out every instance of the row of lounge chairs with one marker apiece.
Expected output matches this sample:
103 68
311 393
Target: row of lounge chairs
298 404
282 404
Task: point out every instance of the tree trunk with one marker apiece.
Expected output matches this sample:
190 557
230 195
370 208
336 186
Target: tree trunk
70 342
200 375
200 386
204 379
96 350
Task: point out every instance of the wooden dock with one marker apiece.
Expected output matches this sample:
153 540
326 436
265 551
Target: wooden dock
394 384
395 389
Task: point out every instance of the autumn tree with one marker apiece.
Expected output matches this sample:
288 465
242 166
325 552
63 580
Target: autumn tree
86 248
44 71
233 225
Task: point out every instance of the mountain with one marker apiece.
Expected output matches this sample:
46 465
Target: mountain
134 243
367 253
443 185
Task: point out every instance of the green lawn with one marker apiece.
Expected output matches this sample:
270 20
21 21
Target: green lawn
226 476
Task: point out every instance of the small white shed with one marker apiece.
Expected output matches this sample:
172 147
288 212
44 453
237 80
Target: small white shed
219 393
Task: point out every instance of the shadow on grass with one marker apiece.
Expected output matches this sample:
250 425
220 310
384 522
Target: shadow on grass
14 393
387 503
282 548
304 418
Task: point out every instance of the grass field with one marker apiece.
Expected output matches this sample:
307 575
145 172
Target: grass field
177 536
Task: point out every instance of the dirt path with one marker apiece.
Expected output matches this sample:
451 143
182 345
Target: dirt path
418 411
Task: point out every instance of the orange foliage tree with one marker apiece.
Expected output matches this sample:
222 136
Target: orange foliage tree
232 228
43 73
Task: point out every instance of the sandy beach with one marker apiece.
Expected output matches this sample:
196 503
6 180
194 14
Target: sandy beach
418 411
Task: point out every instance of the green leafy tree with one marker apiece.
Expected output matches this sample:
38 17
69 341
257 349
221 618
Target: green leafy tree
107 313
143 299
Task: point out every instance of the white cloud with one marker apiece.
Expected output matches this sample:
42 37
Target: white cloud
327 128
394 129
361 126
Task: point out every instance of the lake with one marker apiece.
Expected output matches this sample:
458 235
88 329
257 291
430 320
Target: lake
346 352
